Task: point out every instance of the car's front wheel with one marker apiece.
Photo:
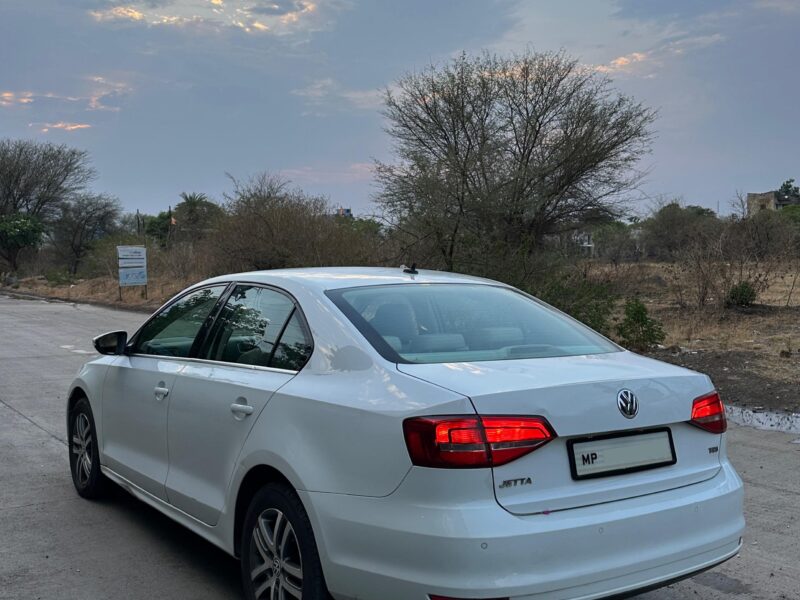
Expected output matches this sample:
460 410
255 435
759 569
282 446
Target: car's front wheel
278 551
84 456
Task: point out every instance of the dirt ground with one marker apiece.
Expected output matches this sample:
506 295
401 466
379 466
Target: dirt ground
752 354
740 380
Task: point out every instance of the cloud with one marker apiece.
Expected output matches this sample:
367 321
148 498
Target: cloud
62 125
118 13
671 9
692 42
101 94
16 98
352 173
784 6
645 64
280 17
623 63
105 92
326 91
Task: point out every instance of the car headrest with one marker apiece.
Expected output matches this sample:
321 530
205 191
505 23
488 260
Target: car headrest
396 320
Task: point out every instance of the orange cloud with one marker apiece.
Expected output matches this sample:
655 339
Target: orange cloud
118 13
64 126
295 15
241 14
622 63
15 98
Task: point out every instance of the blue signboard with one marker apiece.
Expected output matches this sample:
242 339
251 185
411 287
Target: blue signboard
132 265
132 276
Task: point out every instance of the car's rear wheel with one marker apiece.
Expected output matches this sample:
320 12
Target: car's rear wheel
84 456
278 551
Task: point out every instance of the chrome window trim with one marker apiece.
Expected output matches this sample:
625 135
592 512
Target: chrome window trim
228 286
216 362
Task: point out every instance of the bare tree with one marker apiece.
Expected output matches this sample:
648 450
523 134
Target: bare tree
270 225
498 154
738 205
35 179
80 224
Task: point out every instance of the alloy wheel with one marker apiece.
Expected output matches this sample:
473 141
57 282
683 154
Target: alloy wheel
82 448
277 572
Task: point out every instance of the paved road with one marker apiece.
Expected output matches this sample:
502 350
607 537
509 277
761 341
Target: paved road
55 545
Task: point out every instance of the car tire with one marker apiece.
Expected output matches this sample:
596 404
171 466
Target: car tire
278 549
84 455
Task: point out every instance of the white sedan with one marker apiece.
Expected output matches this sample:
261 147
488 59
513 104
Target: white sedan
390 434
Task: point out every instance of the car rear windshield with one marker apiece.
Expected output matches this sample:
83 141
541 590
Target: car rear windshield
438 323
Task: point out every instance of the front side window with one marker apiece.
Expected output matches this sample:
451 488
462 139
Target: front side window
172 332
436 323
252 327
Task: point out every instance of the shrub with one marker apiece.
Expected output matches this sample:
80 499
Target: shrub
741 294
637 330
587 301
57 277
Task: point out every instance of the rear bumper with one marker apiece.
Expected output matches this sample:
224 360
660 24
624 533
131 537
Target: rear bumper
392 549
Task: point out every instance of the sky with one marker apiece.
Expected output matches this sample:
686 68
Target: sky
172 96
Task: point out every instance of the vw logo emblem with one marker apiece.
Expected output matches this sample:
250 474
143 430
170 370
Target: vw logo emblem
628 403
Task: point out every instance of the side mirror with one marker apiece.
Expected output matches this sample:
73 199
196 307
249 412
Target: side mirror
112 342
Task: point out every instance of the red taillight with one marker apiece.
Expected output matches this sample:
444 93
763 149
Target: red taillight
473 441
708 413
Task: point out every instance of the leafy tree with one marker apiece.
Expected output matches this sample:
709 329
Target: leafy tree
674 227
17 232
789 190
158 227
81 224
496 155
196 216
615 241
35 179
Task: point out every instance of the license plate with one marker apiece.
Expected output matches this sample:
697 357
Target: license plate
614 454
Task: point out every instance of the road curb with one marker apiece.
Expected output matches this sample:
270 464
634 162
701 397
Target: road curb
33 296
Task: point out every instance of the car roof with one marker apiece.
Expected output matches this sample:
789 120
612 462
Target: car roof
329 278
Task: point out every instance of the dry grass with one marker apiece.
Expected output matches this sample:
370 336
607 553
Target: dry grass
104 290
762 331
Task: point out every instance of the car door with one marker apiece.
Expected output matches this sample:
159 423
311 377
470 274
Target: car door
137 389
258 343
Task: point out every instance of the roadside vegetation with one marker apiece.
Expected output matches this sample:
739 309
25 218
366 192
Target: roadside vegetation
523 169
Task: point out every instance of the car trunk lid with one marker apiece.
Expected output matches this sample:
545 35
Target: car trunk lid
578 396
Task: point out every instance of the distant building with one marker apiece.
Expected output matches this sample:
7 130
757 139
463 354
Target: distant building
344 212
757 202
585 241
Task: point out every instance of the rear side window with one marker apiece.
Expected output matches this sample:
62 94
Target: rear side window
294 347
172 332
251 328
435 323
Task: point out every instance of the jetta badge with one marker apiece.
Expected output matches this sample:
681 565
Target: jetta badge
627 403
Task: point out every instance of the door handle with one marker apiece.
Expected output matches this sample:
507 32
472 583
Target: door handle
161 392
241 410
